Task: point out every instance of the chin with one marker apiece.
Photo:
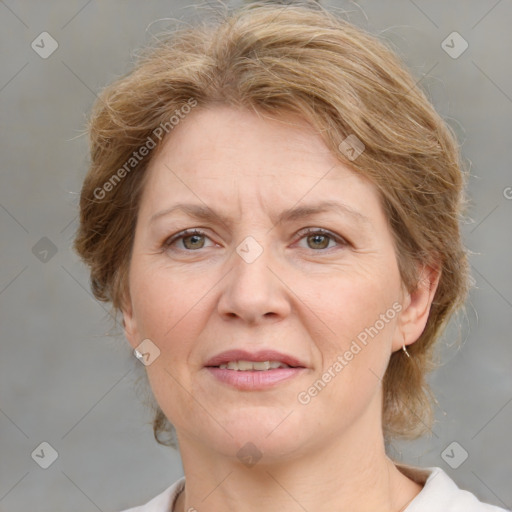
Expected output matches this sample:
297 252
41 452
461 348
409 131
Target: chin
269 434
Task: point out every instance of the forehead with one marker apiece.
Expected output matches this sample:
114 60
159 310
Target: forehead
224 155
223 137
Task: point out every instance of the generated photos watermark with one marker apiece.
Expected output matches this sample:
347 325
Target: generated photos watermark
137 156
305 397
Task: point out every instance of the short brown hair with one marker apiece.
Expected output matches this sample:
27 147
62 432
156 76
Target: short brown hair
345 82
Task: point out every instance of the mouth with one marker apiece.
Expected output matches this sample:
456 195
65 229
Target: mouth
244 366
254 371
263 360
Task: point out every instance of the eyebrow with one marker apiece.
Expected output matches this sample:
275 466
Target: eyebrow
204 213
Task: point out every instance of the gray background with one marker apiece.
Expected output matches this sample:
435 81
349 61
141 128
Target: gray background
65 381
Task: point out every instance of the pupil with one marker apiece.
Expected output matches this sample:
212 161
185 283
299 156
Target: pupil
194 239
316 240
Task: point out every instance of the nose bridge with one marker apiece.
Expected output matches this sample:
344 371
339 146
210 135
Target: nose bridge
252 262
251 290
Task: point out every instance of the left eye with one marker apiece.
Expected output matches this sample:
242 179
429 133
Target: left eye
320 239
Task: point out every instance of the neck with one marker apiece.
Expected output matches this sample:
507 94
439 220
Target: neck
349 474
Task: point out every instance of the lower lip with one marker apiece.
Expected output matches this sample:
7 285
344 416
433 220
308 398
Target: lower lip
254 380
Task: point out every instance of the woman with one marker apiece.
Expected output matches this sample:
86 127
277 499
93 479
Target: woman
273 206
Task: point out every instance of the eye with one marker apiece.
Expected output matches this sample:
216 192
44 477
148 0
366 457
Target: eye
318 239
192 239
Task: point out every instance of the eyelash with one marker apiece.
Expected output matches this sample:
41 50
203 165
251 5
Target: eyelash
303 234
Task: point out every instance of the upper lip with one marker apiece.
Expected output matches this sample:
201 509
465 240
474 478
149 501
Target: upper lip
261 355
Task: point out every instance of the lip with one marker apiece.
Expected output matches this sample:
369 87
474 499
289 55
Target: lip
254 380
261 355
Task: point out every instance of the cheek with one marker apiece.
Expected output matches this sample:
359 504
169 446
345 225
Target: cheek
165 304
170 310
359 312
353 302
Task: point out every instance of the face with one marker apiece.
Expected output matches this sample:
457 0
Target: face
252 237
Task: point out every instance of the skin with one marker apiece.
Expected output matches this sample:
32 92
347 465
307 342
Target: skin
307 296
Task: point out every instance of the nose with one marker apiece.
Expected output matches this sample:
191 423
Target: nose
253 290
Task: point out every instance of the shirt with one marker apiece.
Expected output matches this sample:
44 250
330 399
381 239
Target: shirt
439 493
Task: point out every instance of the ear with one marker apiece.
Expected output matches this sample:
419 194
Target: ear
131 331
416 307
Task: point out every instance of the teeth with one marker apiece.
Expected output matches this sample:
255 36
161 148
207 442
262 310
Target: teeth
252 365
263 365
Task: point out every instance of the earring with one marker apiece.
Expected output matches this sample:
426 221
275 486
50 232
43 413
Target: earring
405 350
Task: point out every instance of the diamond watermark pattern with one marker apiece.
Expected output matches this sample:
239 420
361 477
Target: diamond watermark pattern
45 455
351 147
249 250
147 352
454 45
454 455
44 250
44 45
249 454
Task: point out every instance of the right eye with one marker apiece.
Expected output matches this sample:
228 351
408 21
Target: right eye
191 239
